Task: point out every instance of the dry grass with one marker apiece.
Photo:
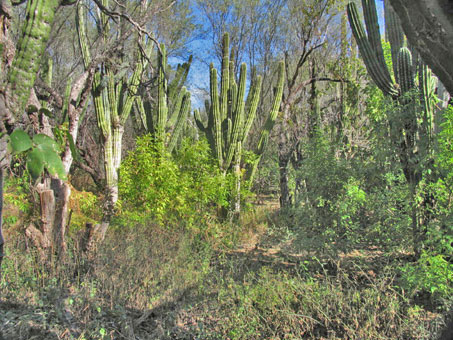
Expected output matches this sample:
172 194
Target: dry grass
152 283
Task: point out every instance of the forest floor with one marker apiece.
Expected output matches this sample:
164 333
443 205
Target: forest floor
158 285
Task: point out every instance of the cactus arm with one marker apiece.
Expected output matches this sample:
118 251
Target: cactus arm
30 47
180 79
374 67
183 113
270 121
224 76
133 84
112 97
140 109
405 70
82 35
374 34
216 116
66 99
268 126
162 109
394 34
176 108
199 121
238 117
253 99
427 98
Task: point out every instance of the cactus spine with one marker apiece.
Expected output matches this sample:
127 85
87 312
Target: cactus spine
167 118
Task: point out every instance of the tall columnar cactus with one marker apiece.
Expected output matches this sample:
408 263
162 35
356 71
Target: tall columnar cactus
412 130
370 45
22 73
113 100
228 122
230 116
406 64
268 125
166 118
30 48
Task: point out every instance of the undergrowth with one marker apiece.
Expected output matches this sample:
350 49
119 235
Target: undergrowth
148 282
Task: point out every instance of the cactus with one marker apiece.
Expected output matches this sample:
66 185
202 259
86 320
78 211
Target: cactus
228 123
404 65
230 117
30 48
268 125
169 115
370 46
113 100
410 131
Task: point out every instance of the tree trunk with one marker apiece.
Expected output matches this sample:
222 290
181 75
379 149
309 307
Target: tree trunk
285 196
112 161
61 192
236 200
50 236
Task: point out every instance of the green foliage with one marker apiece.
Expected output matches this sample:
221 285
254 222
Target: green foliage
42 152
85 207
431 274
182 191
349 203
16 196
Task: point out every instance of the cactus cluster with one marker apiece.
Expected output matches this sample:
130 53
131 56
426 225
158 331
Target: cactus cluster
405 62
230 117
166 118
228 122
411 124
407 67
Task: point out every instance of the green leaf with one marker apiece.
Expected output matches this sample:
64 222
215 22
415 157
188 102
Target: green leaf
35 163
19 141
52 160
41 139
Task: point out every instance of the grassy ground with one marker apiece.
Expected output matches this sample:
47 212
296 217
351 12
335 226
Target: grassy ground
254 282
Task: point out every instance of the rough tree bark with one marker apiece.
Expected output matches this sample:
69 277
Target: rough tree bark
428 25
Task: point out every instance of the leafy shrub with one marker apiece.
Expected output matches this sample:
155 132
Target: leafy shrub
16 198
85 207
185 190
352 202
431 274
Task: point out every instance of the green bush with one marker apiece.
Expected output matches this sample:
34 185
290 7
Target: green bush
431 274
183 190
16 198
351 202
